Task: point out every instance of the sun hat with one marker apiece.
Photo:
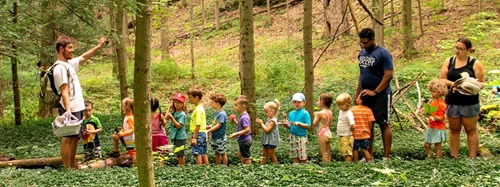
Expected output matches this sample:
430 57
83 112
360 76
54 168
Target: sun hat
179 97
298 97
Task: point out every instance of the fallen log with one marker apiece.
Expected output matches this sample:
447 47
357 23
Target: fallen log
36 162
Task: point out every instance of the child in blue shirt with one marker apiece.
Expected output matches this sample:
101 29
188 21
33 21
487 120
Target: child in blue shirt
299 122
218 130
178 125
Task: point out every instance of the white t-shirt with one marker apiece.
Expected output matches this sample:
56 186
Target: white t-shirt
75 90
346 120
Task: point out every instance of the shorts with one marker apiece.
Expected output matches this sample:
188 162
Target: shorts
159 141
298 147
361 144
92 153
179 143
435 136
219 145
380 106
78 115
201 144
244 148
267 146
465 111
346 144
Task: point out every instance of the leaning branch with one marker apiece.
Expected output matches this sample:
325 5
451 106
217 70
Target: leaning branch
369 13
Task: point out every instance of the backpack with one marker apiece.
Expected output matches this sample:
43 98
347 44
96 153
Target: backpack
48 90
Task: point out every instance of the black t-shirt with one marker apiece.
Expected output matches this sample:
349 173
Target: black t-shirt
456 98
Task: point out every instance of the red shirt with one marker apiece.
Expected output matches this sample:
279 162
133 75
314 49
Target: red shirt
438 114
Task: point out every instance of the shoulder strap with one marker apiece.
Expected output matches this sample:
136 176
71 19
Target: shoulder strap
328 120
451 63
51 76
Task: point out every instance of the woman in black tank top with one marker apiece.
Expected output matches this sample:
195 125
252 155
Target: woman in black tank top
460 108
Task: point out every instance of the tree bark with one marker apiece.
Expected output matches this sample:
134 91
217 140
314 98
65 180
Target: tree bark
112 26
420 18
308 58
268 7
142 91
334 9
49 36
15 77
217 17
378 12
35 162
191 44
203 13
408 47
120 49
247 59
392 13
353 17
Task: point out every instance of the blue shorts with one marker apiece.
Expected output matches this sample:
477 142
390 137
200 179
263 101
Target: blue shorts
219 145
201 144
267 146
465 111
363 144
244 148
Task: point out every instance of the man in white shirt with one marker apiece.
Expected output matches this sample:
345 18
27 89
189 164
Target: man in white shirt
71 91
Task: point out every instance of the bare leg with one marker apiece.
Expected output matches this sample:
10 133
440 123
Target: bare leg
439 150
205 159
240 157
368 157
217 158
355 157
348 158
270 152
470 125
74 144
387 139
295 160
224 159
455 128
180 160
264 156
303 161
428 149
66 151
115 143
199 159
322 149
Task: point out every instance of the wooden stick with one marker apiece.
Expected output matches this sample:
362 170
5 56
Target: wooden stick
351 11
405 89
419 95
36 162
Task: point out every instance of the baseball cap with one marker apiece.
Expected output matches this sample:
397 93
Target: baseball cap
180 97
298 97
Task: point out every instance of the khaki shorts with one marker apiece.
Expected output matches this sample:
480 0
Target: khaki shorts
346 143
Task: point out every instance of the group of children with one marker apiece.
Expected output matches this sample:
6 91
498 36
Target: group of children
354 127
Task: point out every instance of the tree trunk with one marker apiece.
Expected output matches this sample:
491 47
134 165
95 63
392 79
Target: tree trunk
392 13
353 16
165 42
203 13
15 77
378 12
480 6
2 87
268 7
408 47
334 11
308 58
247 59
420 19
142 91
120 49
47 40
191 44
36 162
112 26
217 17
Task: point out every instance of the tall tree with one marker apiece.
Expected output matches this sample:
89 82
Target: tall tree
247 59
378 12
408 47
142 91
47 40
112 27
217 17
334 11
120 50
308 57
15 77
203 12
191 37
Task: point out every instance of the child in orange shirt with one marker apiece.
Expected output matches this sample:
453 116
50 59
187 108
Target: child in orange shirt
363 130
436 133
127 133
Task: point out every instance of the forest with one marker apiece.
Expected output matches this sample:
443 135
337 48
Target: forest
265 50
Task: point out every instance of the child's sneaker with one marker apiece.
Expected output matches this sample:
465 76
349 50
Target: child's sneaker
113 154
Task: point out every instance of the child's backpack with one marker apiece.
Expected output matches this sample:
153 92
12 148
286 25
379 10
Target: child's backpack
48 90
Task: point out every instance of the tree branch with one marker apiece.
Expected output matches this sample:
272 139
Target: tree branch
369 13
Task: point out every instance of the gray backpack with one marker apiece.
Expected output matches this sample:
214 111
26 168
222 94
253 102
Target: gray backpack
48 90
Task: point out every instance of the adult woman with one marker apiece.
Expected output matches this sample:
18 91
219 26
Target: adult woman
462 109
